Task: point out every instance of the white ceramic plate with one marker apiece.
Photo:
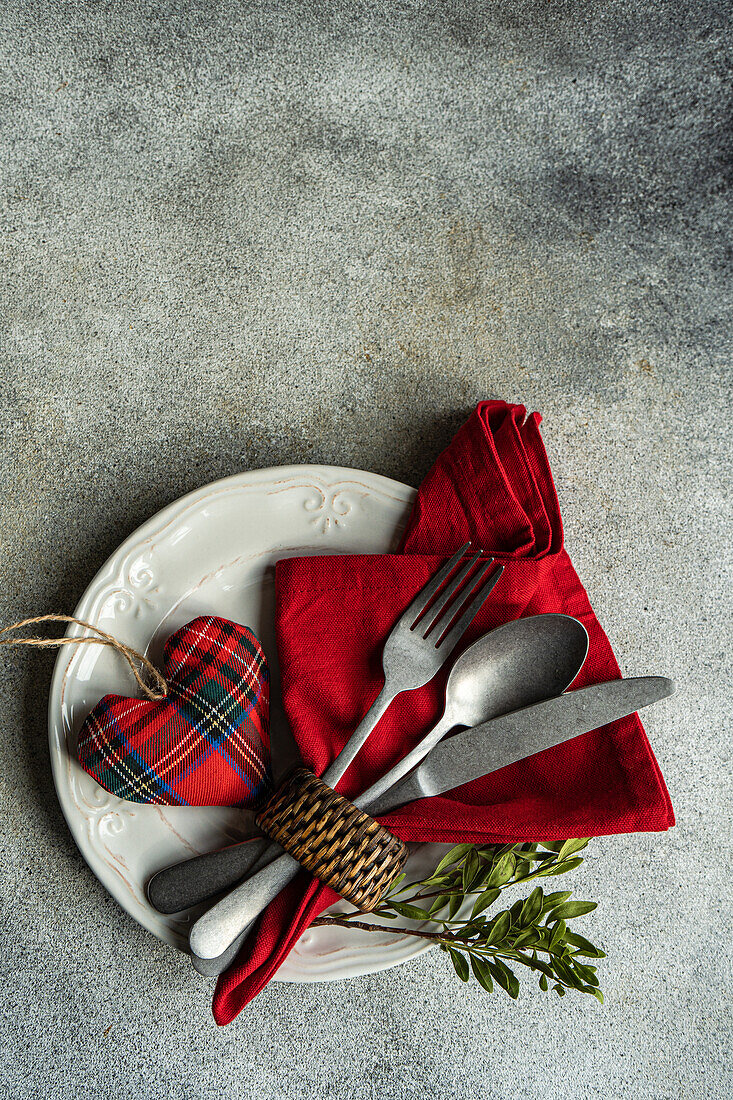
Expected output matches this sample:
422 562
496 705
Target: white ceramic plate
212 552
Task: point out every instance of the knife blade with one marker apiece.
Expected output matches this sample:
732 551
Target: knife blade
486 748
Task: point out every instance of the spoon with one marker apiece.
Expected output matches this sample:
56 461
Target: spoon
518 664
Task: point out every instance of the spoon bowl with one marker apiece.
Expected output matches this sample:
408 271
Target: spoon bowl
520 663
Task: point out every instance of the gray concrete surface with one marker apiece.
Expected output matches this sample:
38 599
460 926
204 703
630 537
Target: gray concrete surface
244 234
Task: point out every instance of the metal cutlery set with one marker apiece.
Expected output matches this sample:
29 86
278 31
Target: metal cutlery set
505 691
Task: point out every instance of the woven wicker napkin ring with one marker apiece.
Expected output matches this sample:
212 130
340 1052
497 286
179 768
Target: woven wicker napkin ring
341 845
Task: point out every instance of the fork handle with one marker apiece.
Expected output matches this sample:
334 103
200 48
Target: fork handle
336 770
192 881
216 936
215 930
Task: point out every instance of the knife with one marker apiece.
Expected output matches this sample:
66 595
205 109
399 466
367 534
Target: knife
509 738
216 936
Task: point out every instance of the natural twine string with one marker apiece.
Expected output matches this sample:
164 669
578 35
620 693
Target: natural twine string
131 655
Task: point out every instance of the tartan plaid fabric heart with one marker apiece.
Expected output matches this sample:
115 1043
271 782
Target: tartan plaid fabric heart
207 742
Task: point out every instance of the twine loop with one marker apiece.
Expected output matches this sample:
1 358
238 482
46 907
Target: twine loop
133 658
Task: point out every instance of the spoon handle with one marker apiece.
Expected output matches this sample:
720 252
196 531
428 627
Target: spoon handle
407 763
216 936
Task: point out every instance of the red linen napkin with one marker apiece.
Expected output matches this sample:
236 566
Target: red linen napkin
492 485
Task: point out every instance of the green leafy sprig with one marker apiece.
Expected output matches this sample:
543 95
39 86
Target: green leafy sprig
533 932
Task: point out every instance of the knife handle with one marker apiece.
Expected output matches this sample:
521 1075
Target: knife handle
232 917
217 935
194 880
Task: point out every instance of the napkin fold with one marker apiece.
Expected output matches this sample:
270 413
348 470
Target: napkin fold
492 485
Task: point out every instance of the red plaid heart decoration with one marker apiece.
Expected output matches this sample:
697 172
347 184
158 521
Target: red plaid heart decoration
207 742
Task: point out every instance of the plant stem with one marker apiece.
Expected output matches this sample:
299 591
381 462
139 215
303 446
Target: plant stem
435 937
345 922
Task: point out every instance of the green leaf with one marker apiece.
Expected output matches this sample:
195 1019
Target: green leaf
504 977
570 847
570 909
586 949
482 973
512 986
440 902
532 907
507 849
558 934
551 900
527 851
586 973
560 990
560 868
503 870
396 883
455 904
483 875
595 993
437 880
498 974
543 967
485 900
566 973
499 928
515 910
526 938
460 964
543 983
412 912
453 856
522 869
543 943
471 869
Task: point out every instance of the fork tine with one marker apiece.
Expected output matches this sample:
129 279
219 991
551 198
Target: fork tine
456 632
449 595
425 595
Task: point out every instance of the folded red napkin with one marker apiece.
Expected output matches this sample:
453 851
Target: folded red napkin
492 485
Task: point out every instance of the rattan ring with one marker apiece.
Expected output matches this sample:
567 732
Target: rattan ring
338 843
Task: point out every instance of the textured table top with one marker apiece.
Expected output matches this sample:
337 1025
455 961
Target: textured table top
239 235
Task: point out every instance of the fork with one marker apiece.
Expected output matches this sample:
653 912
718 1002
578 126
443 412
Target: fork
418 645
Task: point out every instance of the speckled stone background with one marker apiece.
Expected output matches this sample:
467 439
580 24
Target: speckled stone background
244 234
